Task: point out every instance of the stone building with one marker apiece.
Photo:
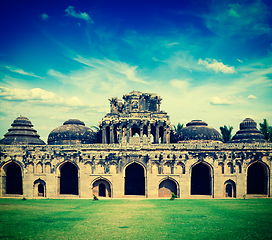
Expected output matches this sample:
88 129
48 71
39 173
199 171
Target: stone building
135 157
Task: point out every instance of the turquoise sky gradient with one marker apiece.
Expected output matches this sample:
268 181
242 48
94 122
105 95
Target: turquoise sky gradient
208 60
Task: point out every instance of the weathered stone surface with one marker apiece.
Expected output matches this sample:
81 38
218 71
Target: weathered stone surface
21 133
248 133
200 165
73 131
197 130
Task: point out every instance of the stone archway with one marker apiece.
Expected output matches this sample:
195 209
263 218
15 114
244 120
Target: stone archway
201 180
39 188
257 178
134 180
166 187
68 179
14 183
230 189
101 188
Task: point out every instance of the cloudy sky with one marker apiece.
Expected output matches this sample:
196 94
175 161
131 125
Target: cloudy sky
208 60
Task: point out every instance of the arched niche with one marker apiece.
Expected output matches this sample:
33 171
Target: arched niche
12 178
68 178
230 189
257 178
102 187
39 188
166 187
134 179
201 179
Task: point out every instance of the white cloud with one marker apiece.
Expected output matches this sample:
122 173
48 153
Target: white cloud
179 84
20 71
171 44
252 97
44 16
221 101
110 68
38 95
239 60
216 66
248 19
71 12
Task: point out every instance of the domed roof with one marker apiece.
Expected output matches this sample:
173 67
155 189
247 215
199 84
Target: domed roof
21 133
73 131
198 130
248 133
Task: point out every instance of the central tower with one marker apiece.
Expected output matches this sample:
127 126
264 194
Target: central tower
138 115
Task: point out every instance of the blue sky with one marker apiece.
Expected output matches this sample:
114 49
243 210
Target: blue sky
208 60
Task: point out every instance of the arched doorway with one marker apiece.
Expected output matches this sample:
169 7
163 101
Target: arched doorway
166 188
102 188
201 183
39 188
14 179
134 180
68 179
257 178
230 188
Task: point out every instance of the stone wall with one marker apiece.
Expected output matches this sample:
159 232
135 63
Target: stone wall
106 163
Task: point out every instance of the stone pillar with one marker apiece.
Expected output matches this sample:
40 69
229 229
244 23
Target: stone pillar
168 136
157 134
148 130
103 134
141 131
111 134
164 135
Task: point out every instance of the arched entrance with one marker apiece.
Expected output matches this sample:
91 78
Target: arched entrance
166 188
134 180
201 183
230 189
257 178
14 179
102 188
68 179
39 188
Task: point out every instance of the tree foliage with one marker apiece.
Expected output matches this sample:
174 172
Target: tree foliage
266 130
174 132
178 127
226 133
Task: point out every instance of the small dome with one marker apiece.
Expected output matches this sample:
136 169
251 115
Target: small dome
248 133
198 130
22 133
73 131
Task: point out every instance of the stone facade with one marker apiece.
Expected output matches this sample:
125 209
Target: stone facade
128 163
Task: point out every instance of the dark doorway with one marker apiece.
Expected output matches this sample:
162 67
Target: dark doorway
201 180
40 190
134 180
257 179
68 179
14 179
107 134
166 188
161 133
102 190
135 130
228 190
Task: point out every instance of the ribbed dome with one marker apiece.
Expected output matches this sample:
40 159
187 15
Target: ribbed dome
73 131
22 133
198 130
248 133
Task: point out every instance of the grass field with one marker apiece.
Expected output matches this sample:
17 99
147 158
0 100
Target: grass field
136 219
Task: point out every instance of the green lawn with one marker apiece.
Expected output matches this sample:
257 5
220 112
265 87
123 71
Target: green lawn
136 219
